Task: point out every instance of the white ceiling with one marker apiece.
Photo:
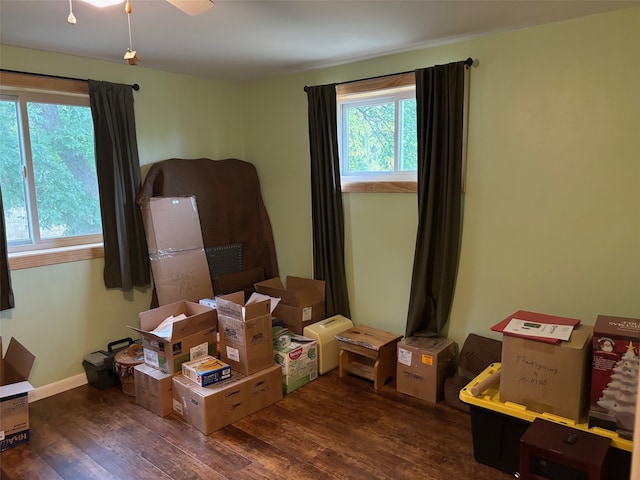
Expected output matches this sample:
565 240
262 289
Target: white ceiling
245 39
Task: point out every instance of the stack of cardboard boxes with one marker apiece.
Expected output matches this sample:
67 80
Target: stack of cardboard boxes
255 382
247 378
191 338
590 376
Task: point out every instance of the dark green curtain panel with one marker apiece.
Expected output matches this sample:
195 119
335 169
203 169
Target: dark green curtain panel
326 198
6 292
440 107
126 261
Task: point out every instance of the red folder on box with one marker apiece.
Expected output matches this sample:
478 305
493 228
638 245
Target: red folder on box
537 318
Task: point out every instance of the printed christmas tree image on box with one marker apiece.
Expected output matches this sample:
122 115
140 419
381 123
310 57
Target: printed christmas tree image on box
614 374
619 398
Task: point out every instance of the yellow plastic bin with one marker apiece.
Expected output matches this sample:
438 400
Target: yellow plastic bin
496 426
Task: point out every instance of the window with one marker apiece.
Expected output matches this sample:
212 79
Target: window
377 129
47 171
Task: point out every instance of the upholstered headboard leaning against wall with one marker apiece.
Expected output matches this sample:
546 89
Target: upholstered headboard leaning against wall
236 229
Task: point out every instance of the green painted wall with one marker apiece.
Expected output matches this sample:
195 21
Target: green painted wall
551 219
64 311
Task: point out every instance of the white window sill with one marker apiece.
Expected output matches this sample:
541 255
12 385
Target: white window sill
53 256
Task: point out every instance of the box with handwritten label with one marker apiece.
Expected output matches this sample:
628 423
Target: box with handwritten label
423 365
545 377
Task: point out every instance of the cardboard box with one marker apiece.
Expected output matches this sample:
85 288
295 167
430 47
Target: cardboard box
176 249
15 369
423 365
298 357
245 333
302 302
233 305
206 370
547 378
614 373
246 345
181 276
210 408
171 224
154 389
192 338
324 332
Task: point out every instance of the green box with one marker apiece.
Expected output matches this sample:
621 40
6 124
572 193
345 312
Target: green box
298 357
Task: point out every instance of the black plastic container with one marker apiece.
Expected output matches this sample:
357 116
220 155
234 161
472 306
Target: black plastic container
99 365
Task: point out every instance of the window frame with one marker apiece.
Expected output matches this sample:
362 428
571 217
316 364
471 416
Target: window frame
375 87
12 83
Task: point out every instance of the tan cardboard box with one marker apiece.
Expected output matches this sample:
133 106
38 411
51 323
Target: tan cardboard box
545 377
233 305
245 333
246 345
181 276
192 338
154 389
210 408
423 365
302 301
171 224
15 369
176 249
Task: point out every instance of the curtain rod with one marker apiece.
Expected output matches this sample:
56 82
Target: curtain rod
135 86
467 63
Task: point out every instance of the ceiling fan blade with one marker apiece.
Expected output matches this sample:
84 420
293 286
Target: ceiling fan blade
192 7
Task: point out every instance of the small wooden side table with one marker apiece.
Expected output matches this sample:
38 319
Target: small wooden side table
549 450
369 353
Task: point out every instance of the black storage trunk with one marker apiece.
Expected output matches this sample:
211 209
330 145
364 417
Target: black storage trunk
99 365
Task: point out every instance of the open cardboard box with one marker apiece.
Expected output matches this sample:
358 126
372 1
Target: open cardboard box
15 369
192 337
302 301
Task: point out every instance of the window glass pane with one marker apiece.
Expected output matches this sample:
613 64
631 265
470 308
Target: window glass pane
370 130
62 151
11 177
409 139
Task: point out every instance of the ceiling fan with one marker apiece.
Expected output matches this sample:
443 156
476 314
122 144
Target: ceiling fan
190 7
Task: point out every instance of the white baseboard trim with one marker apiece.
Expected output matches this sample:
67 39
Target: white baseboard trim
57 387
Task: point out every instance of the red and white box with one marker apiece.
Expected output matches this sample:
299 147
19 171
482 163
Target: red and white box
614 373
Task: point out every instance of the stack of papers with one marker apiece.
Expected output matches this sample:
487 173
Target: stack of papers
537 326
259 297
165 329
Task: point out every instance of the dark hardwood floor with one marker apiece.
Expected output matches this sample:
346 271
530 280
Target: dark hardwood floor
332 428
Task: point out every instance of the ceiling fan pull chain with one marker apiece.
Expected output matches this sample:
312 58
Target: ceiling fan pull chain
127 8
131 56
71 18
